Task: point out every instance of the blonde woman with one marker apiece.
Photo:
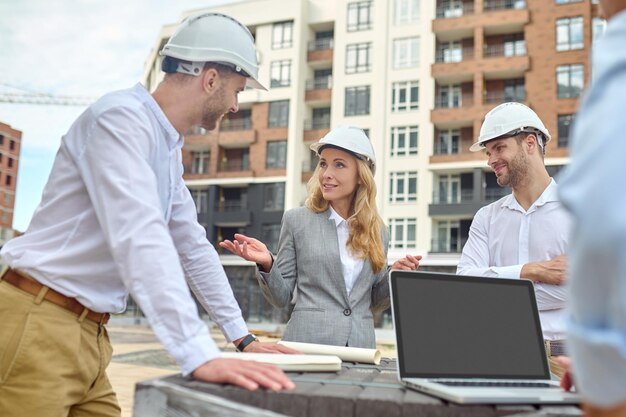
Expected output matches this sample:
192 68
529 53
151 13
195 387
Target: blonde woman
332 254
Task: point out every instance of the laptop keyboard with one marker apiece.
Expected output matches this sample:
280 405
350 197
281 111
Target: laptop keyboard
508 384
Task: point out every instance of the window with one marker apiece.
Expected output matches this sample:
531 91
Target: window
358 58
449 96
274 196
1 140
200 162
405 53
12 145
404 140
280 73
270 235
276 157
449 52
404 96
402 233
515 90
7 180
564 124
569 33
448 189
278 114
448 237
403 187
357 101
201 199
282 35
359 16
447 142
406 11
7 198
514 45
569 80
598 26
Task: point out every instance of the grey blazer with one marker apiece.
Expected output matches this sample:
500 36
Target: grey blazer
307 270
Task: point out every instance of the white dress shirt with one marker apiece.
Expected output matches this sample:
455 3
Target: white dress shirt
350 265
592 187
116 216
503 237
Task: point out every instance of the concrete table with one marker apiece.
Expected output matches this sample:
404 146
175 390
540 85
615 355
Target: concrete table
357 390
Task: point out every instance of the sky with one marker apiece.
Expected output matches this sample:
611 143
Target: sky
70 47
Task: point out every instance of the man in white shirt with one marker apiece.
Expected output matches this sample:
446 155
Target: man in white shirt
525 234
116 218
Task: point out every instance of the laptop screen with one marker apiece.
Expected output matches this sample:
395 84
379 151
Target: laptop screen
450 326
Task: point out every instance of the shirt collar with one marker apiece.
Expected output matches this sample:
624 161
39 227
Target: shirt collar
336 217
549 195
174 139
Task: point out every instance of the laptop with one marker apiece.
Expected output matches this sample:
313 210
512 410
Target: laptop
471 340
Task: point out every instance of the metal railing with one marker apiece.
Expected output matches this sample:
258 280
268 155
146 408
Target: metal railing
230 125
504 4
517 48
320 83
494 97
314 124
461 197
320 44
451 12
230 206
448 246
234 165
493 194
454 55
465 100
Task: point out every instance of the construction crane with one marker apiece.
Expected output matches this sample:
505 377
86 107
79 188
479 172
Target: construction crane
32 97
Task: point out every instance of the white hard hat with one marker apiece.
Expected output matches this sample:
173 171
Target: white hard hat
508 119
213 37
352 139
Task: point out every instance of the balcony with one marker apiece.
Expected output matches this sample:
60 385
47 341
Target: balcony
320 51
504 4
319 90
453 112
234 165
314 129
450 12
454 66
498 97
493 194
448 245
460 204
517 48
235 216
233 125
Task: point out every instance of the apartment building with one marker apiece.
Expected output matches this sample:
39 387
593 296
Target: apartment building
489 52
418 76
10 140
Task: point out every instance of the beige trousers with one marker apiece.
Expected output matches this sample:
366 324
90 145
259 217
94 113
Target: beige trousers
52 363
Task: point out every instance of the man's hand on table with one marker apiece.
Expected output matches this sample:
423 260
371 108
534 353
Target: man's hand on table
243 373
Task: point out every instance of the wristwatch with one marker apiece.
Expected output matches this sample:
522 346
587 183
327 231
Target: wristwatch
246 341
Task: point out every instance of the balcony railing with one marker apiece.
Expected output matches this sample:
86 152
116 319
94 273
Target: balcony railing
191 169
234 165
495 97
462 197
231 205
315 124
518 48
493 194
448 246
450 12
320 83
230 125
465 100
454 55
504 4
319 44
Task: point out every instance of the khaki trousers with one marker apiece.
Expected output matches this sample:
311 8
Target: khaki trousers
52 362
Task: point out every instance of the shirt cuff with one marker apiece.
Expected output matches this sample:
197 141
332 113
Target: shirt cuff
513 271
195 352
235 329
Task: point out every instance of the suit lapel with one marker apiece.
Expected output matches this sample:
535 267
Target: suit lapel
333 260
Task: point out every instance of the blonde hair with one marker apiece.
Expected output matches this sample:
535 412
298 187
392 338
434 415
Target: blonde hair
364 240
